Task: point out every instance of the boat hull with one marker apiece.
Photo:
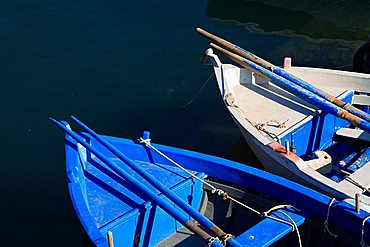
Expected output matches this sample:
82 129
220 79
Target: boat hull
252 101
110 203
275 163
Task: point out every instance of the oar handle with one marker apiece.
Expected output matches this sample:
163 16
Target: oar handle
179 216
297 90
236 49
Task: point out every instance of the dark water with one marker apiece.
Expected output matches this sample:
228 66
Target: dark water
124 67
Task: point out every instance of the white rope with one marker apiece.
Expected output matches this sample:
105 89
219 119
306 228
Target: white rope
225 238
242 204
211 240
291 223
227 196
362 243
261 127
295 227
214 189
326 222
148 144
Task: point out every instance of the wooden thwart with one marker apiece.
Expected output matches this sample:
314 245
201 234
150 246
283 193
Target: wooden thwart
352 134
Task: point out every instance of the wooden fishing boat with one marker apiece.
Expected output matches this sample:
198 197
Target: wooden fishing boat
135 193
310 125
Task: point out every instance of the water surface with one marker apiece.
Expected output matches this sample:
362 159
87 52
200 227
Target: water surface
122 67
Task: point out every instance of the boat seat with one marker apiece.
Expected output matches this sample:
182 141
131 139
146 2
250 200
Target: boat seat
259 236
347 134
361 176
361 99
321 162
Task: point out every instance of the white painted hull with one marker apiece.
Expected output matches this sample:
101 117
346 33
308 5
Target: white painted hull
249 91
274 163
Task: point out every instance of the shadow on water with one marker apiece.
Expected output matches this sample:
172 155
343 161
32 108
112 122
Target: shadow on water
242 153
324 20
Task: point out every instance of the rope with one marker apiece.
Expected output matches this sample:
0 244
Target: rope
199 91
148 144
295 227
291 223
214 189
326 222
184 107
211 240
226 196
362 243
225 238
261 126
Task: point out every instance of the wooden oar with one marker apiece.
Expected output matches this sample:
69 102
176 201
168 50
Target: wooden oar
267 65
296 90
166 206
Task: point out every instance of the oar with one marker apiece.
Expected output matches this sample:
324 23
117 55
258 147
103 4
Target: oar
158 185
179 216
250 56
297 90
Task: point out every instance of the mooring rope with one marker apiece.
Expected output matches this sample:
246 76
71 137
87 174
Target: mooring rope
226 196
185 106
295 226
326 222
199 91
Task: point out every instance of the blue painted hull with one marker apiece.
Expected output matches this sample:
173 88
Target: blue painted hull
105 202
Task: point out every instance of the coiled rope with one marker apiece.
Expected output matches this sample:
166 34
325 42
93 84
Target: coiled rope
262 127
226 196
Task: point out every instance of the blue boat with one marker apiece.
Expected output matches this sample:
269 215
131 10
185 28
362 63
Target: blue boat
136 193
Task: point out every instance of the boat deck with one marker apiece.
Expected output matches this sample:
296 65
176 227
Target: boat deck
268 104
123 198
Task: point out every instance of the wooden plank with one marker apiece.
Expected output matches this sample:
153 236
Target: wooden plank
361 176
361 100
354 134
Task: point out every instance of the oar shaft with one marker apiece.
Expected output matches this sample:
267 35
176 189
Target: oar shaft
183 219
350 108
297 90
267 65
158 185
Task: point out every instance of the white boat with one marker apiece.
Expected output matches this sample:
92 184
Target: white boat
295 139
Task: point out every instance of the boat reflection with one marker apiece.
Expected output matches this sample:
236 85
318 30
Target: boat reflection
316 19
